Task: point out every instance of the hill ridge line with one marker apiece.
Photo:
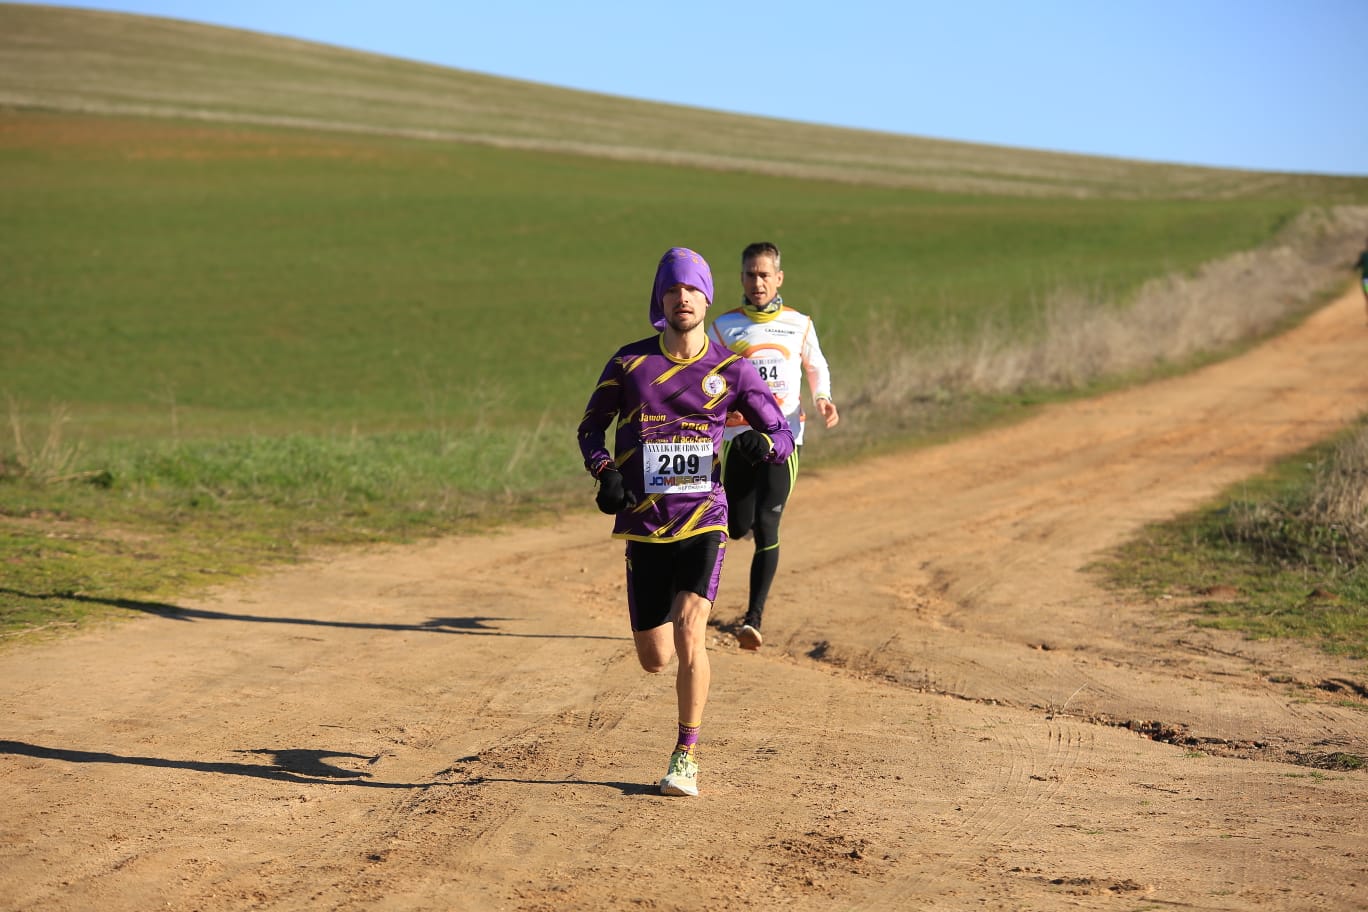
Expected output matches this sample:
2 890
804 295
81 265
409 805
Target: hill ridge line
115 64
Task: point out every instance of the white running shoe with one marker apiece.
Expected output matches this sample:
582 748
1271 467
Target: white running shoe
749 637
682 776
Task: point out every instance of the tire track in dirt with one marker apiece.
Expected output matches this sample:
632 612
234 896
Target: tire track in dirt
485 812
1027 765
517 740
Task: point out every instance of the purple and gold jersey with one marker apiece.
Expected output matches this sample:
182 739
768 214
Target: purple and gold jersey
670 417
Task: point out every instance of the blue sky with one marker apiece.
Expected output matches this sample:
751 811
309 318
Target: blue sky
1257 84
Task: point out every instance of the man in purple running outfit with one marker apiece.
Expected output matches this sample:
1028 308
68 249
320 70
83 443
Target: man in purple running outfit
669 394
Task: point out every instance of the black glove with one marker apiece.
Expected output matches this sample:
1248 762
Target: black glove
613 496
753 446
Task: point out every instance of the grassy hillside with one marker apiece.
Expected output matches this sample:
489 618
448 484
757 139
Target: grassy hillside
274 279
64 59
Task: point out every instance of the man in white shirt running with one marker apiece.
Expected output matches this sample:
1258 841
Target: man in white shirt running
782 344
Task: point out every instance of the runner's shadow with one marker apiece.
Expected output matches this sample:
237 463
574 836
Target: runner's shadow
627 789
468 626
460 767
289 765
292 765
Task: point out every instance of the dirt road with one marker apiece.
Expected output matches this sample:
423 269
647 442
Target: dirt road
937 721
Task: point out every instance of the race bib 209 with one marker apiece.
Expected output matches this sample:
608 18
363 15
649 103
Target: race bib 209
678 467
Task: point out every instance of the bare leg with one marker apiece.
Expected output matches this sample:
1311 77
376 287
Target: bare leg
690 616
655 647
686 634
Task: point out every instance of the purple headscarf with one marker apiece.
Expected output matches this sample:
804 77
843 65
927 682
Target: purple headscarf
679 266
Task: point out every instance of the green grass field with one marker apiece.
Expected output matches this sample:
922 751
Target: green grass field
226 340
167 279
244 342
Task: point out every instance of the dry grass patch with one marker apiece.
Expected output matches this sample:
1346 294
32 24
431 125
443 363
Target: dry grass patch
1082 341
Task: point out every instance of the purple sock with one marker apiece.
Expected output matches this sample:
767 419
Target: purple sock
688 737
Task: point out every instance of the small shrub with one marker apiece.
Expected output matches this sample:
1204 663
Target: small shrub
53 460
1324 522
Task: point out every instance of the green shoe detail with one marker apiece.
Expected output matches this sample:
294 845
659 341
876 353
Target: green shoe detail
682 776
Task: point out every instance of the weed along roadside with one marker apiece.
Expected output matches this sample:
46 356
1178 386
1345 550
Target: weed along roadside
1283 555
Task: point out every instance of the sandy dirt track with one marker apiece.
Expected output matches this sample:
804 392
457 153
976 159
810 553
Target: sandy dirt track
938 720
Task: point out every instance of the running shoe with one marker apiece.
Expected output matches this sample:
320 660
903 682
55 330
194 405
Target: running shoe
682 776
749 637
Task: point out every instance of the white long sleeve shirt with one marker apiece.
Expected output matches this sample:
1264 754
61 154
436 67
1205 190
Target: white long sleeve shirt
783 346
